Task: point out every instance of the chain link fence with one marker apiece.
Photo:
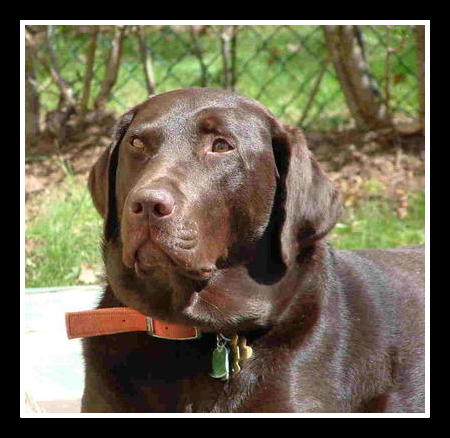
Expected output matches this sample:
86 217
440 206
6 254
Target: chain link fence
287 68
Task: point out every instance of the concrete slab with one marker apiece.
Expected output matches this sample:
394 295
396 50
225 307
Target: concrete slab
53 367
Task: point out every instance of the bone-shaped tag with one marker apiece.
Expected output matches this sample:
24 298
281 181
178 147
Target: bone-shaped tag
235 354
245 351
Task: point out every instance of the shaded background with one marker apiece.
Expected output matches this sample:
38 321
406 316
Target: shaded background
357 91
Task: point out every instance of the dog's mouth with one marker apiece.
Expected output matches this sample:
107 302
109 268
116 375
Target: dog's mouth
177 254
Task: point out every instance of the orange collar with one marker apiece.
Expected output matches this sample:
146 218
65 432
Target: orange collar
123 319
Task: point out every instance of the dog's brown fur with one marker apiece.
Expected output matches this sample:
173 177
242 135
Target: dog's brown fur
215 215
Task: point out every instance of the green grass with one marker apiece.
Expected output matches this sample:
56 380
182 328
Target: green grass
67 234
66 239
376 225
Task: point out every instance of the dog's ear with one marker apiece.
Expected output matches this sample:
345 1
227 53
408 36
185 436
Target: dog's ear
97 182
102 177
307 204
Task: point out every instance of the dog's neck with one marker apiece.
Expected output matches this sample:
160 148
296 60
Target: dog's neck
274 303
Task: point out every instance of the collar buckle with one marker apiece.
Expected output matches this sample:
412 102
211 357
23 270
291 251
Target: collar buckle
163 330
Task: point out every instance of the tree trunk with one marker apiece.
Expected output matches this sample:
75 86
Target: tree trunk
67 99
32 104
147 62
112 68
421 72
353 73
199 55
66 93
314 92
228 42
87 80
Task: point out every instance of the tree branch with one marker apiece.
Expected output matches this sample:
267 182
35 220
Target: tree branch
52 67
228 43
112 68
147 61
355 79
420 39
199 55
32 103
90 60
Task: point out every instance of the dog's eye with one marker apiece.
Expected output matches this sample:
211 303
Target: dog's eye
138 144
220 145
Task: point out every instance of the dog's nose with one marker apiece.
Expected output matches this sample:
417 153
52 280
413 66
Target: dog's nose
153 203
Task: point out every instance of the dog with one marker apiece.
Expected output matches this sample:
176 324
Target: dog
215 217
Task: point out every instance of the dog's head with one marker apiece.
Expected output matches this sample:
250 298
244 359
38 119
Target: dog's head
200 186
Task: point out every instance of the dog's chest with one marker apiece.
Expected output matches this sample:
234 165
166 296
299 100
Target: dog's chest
195 391
245 391
163 376
177 378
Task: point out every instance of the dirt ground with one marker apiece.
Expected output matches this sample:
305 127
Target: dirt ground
388 165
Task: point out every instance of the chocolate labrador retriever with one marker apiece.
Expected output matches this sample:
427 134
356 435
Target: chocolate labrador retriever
215 215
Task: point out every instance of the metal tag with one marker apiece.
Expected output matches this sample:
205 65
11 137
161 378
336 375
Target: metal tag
224 357
220 363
